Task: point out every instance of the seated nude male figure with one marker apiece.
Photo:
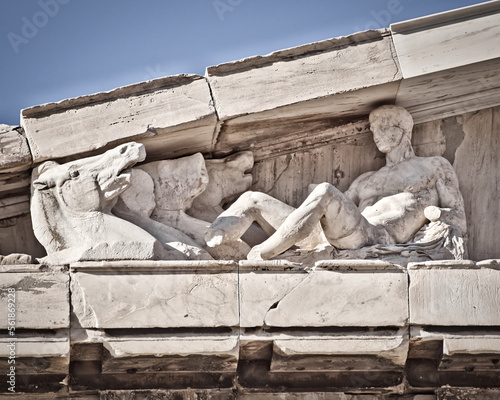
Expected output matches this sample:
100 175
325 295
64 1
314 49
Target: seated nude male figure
387 206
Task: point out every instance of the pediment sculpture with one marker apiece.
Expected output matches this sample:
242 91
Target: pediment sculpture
100 208
410 207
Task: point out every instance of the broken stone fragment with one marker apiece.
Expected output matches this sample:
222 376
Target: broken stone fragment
16 259
7 128
177 182
15 155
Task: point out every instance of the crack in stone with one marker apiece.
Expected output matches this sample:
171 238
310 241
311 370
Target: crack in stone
288 162
276 304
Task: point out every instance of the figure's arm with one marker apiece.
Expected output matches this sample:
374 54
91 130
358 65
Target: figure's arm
451 204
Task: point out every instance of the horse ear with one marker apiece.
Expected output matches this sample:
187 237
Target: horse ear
41 183
46 166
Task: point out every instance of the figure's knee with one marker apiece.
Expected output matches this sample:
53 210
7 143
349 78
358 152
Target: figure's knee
323 197
246 197
245 206
252 199
325 189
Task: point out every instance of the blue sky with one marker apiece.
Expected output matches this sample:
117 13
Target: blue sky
56 49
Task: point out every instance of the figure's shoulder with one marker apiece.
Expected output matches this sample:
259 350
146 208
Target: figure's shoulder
439 166
360 181
434 161
363 177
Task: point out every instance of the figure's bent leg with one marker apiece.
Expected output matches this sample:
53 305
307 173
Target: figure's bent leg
250 207
339 217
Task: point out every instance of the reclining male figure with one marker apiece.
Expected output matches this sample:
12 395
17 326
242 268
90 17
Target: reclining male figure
380 207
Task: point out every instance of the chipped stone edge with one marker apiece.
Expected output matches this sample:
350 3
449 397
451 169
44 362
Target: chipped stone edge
296 52
201 266
100 97
456 264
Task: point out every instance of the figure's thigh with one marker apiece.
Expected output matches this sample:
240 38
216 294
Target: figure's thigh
269 212
343 224
250 207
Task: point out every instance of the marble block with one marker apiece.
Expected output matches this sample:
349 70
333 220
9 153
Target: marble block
174 115
37 354
454 294
381 351
14 152
428 44
41 299
207 353
289 296
155 295
310 72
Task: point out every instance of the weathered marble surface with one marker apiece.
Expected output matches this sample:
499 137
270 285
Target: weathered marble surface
50 289
350 351
14 206
15 154
465 79
176 184
314 133
187 394
451 92
286 297
16 259
316 396
225 394
480 351
190 353
173 116
167 298
98 208
422 42
456 350
469 393
15 160
17 237
456 294
304 73
477 157
37 354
